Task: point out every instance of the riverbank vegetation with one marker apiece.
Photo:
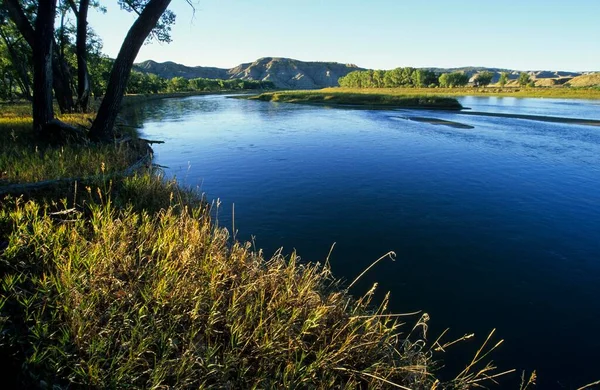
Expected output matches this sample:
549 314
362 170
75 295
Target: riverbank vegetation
360 98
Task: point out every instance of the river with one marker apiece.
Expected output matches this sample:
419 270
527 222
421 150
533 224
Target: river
495 222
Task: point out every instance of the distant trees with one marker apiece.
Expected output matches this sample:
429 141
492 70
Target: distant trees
395 78
524 79
454 79
483 79
147 83
409 78
503 79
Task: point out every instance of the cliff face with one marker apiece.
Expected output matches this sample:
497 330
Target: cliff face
284 72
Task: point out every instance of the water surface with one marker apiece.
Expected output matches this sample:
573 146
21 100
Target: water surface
495 224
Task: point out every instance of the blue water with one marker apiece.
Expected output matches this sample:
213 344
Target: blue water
494 227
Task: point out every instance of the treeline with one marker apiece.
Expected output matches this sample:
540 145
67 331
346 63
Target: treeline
410 78
144 83
395 78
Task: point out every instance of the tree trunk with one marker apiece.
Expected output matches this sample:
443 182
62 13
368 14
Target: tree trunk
60 81
42 64
83 77
103 126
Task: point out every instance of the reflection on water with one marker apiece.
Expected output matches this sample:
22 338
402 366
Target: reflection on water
495 226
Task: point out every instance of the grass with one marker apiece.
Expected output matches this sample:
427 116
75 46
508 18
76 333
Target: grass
25 158
558 92
364 98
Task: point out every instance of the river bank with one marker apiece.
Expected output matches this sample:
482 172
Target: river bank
368 100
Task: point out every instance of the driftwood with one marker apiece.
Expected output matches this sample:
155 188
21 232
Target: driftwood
149 141
19 188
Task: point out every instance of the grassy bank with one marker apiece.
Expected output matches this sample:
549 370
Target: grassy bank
361 98
558 93
126 281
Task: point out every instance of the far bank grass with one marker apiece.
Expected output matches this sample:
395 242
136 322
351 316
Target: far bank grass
558 92
373 98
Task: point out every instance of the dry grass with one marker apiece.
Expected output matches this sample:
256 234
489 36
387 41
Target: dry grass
586 80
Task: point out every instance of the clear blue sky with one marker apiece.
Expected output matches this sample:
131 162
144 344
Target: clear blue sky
381 34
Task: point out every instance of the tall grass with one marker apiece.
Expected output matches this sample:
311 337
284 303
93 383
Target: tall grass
112 295
24 157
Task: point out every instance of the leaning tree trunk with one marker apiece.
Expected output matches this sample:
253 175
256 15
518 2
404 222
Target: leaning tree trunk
42 64
83 77
60 79
103 126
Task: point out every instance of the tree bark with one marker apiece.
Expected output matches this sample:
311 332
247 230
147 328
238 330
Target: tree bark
83 77
103 126
42 64
60 81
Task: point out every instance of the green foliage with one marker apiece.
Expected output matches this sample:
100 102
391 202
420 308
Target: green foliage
454 79
483 79
503 79
399 77
148 83
524 79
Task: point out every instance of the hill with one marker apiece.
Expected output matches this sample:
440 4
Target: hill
586 80
284 72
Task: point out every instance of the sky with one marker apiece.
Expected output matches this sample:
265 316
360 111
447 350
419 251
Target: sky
377 34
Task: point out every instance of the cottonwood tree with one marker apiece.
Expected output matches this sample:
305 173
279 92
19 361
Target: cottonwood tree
524 79
503 79
153 20
21 13
150 12
483 79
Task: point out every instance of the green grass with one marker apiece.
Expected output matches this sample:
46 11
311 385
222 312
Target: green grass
25 158
558 92
364 98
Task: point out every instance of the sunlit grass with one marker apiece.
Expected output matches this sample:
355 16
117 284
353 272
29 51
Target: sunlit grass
25 158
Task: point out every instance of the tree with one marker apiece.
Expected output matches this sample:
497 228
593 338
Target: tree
83 77
42 64
454 79
483 79
103 126
503 79
60 72
524 79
